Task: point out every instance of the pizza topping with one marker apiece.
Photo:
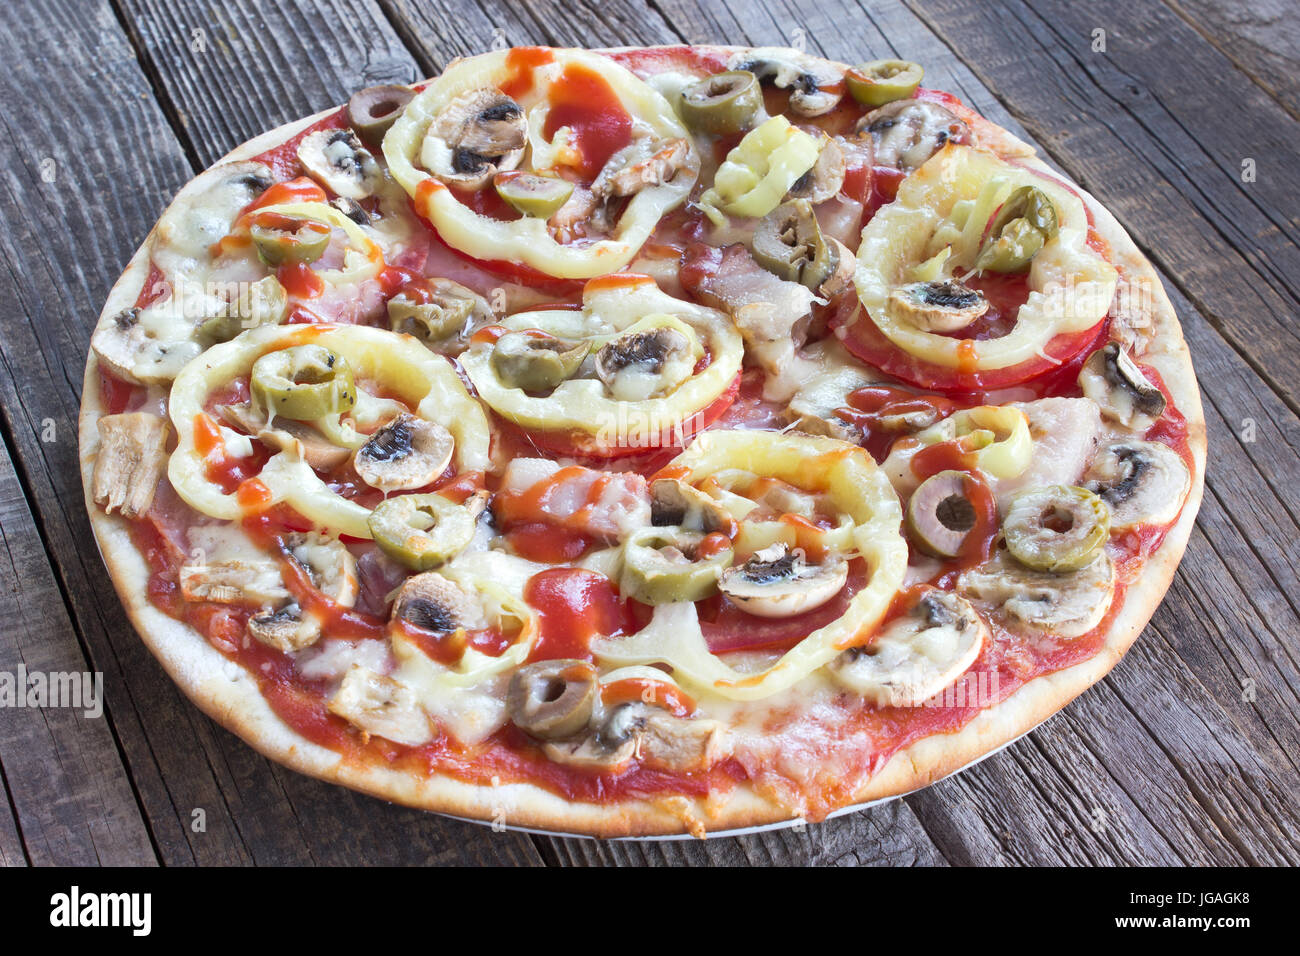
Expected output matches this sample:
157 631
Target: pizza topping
788 243
816 86
372 111
607 506
433 602
331 569
285 629
303 382
298 439
942 513
825 179
661 739
476 135
380 705
531 194
1067 604
1113 380
882 81
252 582
1143 482
947 305
281 239
535 361
779 582
130 460
993 438
908 132
759 171
407 453
336 159
263 302
423 532
1024 222
643 164
1057 528
645 364
664 565
552 699
438 312
675 503
722 104
916 655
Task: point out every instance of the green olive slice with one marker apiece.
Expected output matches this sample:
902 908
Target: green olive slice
882 81
1017 231
373 110
421 532
532 195
669 564
260 303
283 239
435 309
1057 528
303 382
535 361
789 243
940 514
723 103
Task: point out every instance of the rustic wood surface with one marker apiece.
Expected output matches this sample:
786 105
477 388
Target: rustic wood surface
1185 754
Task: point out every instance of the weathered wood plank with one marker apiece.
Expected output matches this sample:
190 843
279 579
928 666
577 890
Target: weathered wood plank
62 772
1261 37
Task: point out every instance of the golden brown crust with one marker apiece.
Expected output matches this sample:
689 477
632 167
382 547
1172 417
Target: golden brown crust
231 697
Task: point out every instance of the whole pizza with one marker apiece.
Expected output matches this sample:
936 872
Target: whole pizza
639 441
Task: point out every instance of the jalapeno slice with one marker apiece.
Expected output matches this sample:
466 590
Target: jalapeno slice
878 82
531 194
535 361
1020 227
421 532
723 103
1058 528
665 565
281 239
303 382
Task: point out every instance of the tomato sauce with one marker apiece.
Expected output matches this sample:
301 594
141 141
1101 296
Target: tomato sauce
582 100
575 606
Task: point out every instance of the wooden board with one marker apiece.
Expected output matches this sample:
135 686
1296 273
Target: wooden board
1185 754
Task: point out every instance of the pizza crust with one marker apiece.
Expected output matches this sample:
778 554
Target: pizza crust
230 696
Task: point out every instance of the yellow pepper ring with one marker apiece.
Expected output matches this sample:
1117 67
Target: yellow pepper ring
997 435
320 212
855 485
426 382
760 170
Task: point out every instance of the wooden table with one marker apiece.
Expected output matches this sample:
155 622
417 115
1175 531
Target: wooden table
1182 117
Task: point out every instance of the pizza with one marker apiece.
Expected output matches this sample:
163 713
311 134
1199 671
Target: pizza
640 441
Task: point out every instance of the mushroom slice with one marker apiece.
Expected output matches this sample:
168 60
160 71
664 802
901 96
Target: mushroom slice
435 603
1112 379
406 453
477 135
778 582
948 305
132 452
813 407
254 583
336 159
825 179
381 706
644 364
286 629
332 571
146 346
906 133
552 699
816 86
662 739
674 502
590 752
1066 604
298 439
645 163
917 655
1143 482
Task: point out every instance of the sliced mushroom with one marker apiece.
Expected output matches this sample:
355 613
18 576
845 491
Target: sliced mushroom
146 346
254 582
285 629
778 582
1066 604
299 439
908 132
813 407
352 209
337 160
477 135
948 305
1143 482
439 312
552 699
816 86
381 706
917 655
641 365
1112 379
328 563
130 460
826 178
408 452
638 730
590 752
644 164
674 502
435 603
